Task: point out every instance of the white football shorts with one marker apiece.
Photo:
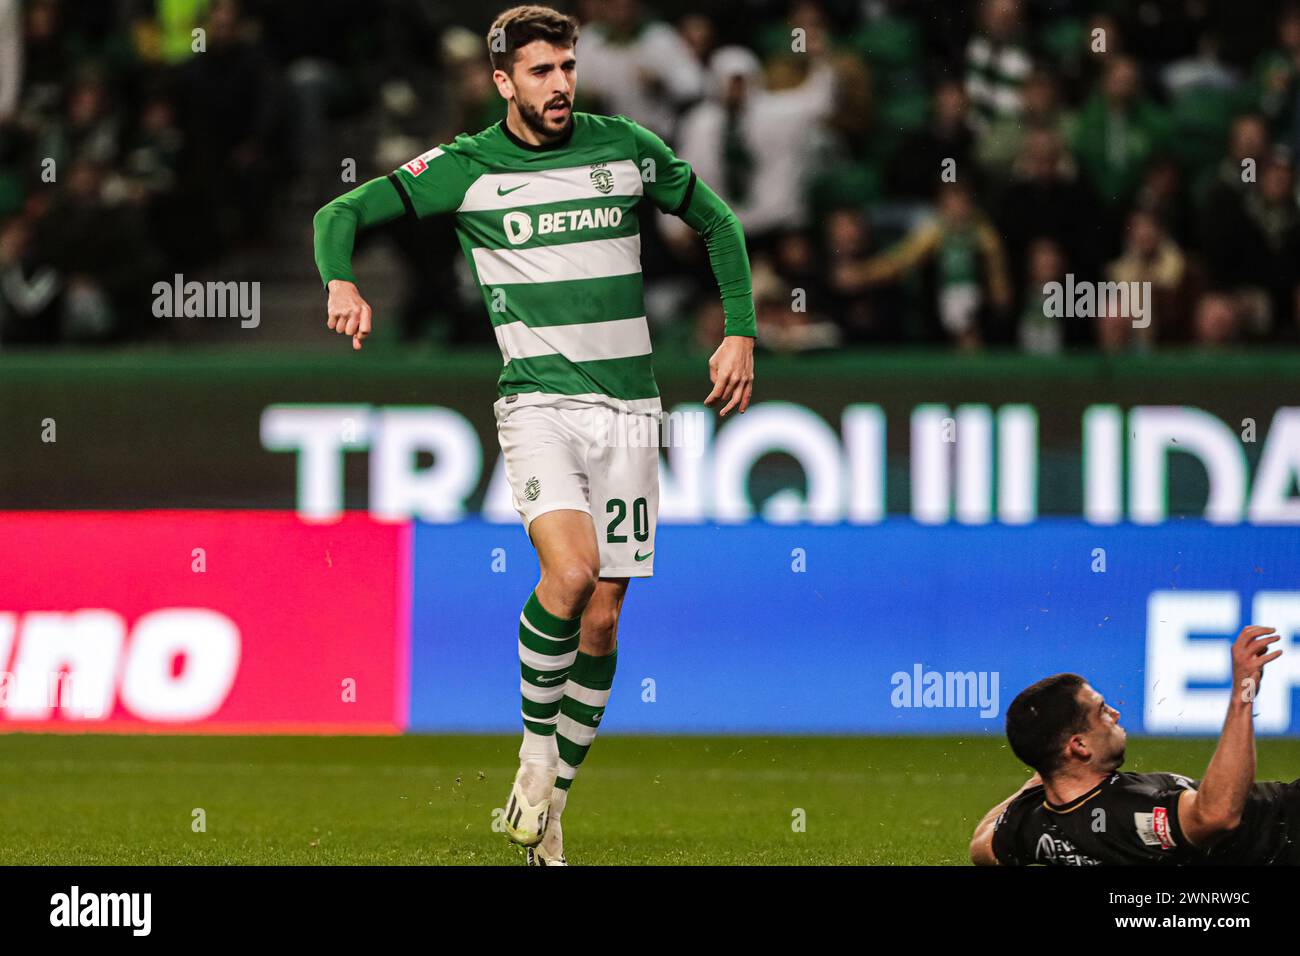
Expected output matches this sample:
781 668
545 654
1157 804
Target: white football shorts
591 458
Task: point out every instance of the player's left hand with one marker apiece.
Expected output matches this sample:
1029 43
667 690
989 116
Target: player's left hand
731 369
1250 654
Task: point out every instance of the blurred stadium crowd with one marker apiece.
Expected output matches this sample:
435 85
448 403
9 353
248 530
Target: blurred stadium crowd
126 157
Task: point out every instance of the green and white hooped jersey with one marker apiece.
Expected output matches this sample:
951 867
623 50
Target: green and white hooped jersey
552 237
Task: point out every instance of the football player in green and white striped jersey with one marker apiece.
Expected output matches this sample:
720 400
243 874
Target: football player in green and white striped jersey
546 211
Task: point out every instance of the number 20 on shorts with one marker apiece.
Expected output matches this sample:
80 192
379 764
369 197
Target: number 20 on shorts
617 507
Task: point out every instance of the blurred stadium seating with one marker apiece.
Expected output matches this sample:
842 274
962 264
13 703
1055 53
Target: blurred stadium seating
126 158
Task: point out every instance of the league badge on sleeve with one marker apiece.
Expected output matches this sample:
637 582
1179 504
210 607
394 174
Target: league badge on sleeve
418 165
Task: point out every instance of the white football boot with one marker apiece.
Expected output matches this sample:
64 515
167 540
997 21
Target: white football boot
529 805
550 852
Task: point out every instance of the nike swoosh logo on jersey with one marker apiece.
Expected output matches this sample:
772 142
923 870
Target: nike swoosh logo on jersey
507 192
549 680
641 557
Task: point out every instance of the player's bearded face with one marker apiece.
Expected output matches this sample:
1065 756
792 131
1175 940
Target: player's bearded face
549 118
544 78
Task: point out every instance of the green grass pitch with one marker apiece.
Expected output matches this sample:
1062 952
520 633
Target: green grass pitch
72 799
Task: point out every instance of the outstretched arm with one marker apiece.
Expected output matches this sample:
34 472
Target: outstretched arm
1214 809
675 189
336 225
432 183
915 248
732 366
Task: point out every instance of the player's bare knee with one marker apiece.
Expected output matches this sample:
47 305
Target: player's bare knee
575 581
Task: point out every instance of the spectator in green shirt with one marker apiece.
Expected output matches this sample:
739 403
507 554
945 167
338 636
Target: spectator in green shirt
1119 130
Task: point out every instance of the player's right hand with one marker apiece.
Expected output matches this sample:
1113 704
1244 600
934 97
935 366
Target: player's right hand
1249 657
349 314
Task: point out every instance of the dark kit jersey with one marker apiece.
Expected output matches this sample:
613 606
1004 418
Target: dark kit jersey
1132 819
